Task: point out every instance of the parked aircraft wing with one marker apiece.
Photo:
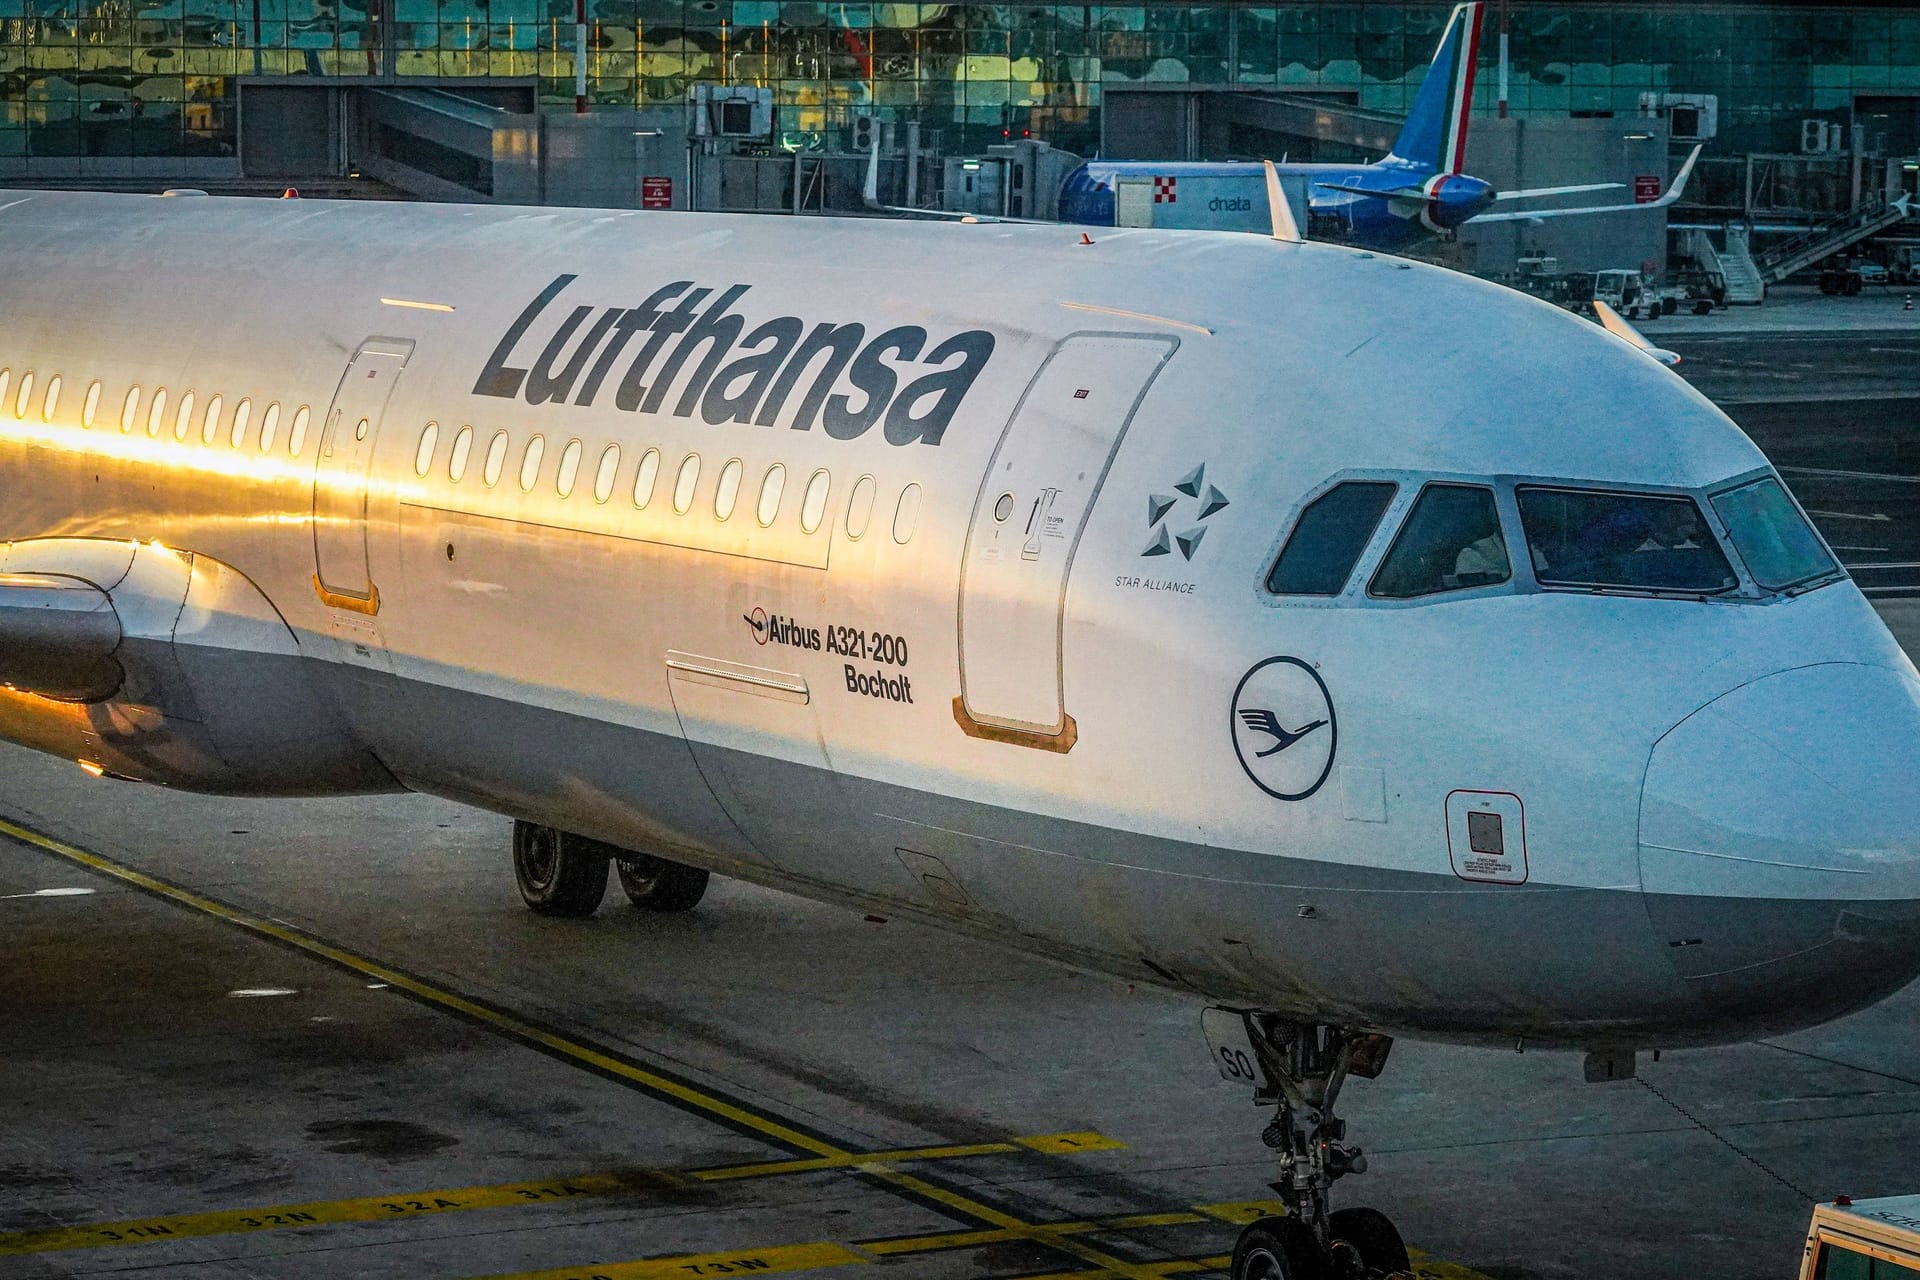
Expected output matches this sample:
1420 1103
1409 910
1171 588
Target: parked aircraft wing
1673 193
57 637
1540 193
1617 325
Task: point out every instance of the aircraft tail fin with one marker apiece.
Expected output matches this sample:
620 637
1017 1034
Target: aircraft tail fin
1435 134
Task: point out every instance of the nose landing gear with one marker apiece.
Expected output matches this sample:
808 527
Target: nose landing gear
1299 1067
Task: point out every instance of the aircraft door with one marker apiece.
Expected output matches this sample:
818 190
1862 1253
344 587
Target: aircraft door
342 575
1039 490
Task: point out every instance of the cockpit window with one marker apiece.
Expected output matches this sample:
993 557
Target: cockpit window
1632 541
1450 542
1772 536
1331 533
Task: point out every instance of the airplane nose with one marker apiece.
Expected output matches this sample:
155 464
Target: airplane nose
1780 845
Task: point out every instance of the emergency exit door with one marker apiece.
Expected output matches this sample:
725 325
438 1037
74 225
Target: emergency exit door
1040 487
341 572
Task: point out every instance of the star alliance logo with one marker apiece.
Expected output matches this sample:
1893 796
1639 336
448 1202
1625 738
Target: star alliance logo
1163 515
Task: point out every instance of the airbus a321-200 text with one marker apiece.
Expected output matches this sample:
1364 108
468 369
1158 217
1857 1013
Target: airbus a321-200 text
1363 648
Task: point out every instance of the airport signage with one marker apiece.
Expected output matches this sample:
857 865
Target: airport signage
833 375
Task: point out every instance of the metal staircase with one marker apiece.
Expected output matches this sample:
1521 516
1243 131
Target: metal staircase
1745 285
1875 214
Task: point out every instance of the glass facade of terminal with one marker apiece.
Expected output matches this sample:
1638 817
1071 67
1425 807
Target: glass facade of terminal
122 78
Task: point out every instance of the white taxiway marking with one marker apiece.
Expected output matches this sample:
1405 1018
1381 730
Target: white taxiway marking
1850 475
49 893
251 992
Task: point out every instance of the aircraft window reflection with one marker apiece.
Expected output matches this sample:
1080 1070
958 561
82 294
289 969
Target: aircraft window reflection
269 426
860 508
183 420
813 506
25 397
297 438
6 376
211 427
496 459
1637 541
569 468
1329 537
91 406
129 412
771 488
530 463
1772 536
156 411
423 456
907 515
462 450
48 407
684 483
608 470
644 478
726 495
242 414
1451 541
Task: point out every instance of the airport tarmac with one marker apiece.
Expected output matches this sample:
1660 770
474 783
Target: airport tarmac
322 1038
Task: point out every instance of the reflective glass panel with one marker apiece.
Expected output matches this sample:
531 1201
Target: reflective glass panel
1637 541
1451 541
1329 538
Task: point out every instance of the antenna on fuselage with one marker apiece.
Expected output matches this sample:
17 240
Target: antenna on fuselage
1285 229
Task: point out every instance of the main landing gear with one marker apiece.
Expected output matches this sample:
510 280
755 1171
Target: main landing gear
562 874
1299 1067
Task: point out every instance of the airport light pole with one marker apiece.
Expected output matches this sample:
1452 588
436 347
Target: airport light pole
1506 17
579 57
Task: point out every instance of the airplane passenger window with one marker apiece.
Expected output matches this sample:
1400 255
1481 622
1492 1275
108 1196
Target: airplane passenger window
25 397
684 483
727 493
423 456
156 411
129 412
643 479
1329 537
297 437
461 451
569 468
1635 541
530 463
907 515
771 488
6 376
91 406
813 505
603 478
183 420
242 414
1772 536
269 426
1451 541
52 401
496 459
211 427
860 508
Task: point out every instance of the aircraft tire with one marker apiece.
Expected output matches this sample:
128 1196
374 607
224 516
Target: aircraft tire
655 884
1368 1242
1279 1249
558 874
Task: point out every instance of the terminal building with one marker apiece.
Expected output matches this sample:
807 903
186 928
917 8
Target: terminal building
1805 109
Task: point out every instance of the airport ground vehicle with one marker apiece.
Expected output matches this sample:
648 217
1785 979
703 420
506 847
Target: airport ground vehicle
1359 648
1864 1240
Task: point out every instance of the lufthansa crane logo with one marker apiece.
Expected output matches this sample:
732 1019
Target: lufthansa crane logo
1283 727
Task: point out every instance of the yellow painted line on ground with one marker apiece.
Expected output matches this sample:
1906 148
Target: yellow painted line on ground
327 1212
755 1262
531 1033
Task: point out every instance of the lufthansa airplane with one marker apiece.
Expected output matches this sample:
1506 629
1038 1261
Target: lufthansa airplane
1418 191
1363 648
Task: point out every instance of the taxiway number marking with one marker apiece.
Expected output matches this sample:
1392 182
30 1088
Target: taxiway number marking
502 1196
604 1062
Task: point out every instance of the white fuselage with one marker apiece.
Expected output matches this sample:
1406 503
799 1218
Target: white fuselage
1007 718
